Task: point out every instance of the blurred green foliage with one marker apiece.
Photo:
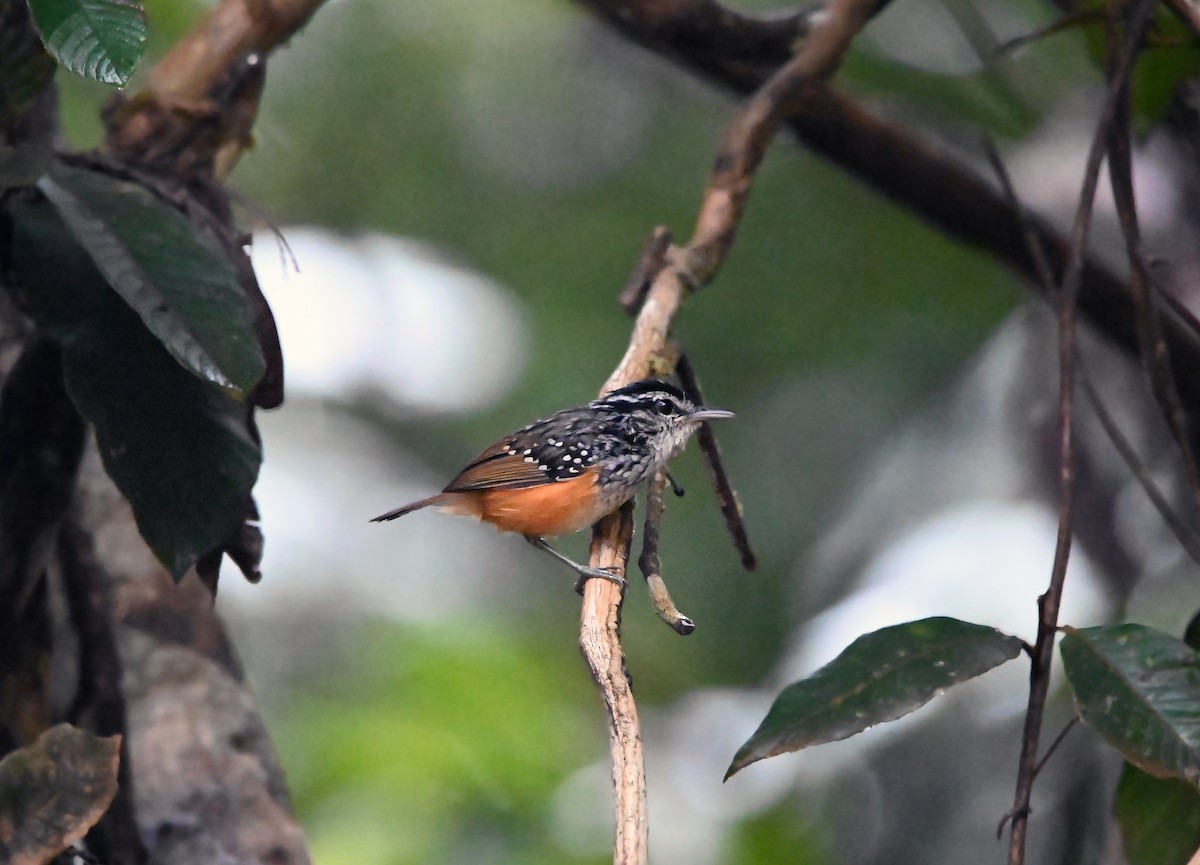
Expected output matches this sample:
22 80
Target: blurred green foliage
523 139
473 126
444 745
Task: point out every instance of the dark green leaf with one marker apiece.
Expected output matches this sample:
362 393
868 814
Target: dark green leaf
184 290
1159 817
98 39
880 677
53 791
1140 689
179 448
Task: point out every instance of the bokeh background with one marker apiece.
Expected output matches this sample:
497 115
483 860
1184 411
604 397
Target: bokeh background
446 198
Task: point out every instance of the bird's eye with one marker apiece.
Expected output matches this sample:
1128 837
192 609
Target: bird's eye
661 404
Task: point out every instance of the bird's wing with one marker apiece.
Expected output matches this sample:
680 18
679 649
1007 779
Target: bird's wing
502 466
551 450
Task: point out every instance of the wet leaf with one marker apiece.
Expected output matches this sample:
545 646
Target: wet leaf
881 676
184 290
98 39
179 448
1140 689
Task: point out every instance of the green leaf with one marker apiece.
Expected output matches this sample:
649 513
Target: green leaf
1159 818
98 39
1140 689
180 285
180 449
880 677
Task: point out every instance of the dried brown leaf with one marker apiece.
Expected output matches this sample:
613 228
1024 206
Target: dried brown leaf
53 792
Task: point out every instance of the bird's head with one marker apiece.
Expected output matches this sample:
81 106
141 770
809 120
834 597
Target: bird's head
659 414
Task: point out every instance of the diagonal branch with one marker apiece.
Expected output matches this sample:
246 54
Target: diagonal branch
195 114
753 129
678 271
707 38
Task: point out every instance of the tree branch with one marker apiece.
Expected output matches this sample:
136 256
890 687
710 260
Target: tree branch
677 271
726 495
707 38
650 563
1122 56
206 783
203 781
1155 354
195 114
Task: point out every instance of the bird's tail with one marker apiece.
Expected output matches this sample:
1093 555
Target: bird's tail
439 499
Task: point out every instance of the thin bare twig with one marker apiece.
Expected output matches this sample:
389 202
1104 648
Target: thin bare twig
726 495
1184 533
1058 740
1048 604
684 270
1065 22
649 263
650 563
1154 353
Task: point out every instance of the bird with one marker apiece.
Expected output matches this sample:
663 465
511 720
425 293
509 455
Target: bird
563 473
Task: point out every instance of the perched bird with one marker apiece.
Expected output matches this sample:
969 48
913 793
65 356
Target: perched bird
563 473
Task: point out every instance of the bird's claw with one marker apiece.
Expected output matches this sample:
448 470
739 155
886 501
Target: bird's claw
609 572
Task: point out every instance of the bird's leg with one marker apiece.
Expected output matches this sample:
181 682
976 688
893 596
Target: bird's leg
584 571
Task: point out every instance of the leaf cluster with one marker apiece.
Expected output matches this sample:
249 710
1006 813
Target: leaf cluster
143 288
1136 687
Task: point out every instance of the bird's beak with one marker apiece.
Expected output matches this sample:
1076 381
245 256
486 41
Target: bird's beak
703 414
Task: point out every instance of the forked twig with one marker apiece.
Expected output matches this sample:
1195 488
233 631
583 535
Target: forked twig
1154 352
1058 740
1048 603
1037 770
685 269
651 565
1187 536
1065 22
1184 533
650 262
